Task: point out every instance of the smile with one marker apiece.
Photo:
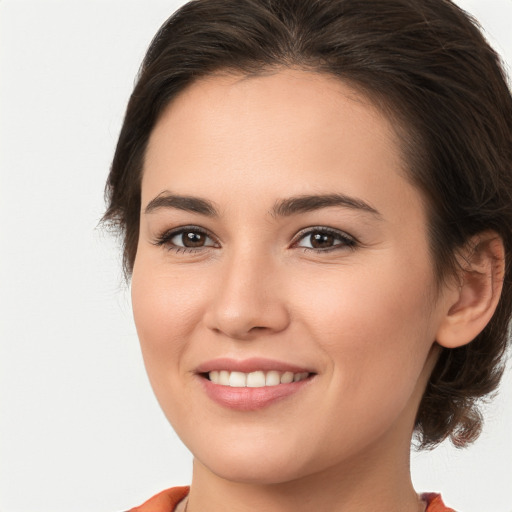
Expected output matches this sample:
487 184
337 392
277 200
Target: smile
257 379
252 384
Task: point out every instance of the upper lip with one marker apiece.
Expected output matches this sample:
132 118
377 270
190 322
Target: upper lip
249 365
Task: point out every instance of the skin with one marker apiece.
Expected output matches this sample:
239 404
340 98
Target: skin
364 317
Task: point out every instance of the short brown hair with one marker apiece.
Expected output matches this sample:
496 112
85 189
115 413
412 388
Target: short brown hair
427 65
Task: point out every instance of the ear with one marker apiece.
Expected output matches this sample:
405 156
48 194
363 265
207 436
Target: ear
471 305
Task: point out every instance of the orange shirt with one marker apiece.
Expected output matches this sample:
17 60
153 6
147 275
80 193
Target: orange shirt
167 500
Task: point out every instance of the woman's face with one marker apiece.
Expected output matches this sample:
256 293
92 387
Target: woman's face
280 240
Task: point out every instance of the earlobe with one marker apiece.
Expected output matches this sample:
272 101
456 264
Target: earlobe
471 305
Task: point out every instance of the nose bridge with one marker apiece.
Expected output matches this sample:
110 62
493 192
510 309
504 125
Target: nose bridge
248 298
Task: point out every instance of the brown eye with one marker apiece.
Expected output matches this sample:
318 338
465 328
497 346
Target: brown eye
192 239
323 239
187 238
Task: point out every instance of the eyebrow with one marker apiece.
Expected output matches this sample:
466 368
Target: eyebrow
187 203
307 203
282 207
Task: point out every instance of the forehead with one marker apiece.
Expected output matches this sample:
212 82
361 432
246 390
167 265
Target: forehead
292 131
272 106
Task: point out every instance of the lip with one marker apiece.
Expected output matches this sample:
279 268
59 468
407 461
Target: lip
250 399
250 365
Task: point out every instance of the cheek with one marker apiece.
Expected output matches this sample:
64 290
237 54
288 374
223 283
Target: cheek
349 301
166 310
374 327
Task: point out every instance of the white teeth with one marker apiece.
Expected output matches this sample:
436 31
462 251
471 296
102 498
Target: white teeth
286 378
272 379
257 379
238 380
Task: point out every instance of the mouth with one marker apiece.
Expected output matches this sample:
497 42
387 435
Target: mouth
252 384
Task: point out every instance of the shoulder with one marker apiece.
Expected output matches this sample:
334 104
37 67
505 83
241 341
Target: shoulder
435 503
164 501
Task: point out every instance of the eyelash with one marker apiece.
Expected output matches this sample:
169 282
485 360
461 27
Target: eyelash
347 241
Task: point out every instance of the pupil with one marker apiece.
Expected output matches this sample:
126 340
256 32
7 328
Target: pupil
192 239
321 240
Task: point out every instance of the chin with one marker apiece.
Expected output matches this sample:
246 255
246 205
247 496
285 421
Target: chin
259 461
261 470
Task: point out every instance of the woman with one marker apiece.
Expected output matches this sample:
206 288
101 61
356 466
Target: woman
316 205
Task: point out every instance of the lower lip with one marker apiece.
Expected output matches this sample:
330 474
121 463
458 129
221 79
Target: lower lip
251 399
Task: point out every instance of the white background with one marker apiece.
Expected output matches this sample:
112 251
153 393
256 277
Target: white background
79 427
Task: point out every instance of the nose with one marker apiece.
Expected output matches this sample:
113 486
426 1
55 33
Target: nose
249 300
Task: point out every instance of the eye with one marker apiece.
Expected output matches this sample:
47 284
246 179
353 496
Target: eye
323 239
191 239
186 239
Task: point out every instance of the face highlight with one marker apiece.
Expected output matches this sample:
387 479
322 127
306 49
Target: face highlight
282 288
